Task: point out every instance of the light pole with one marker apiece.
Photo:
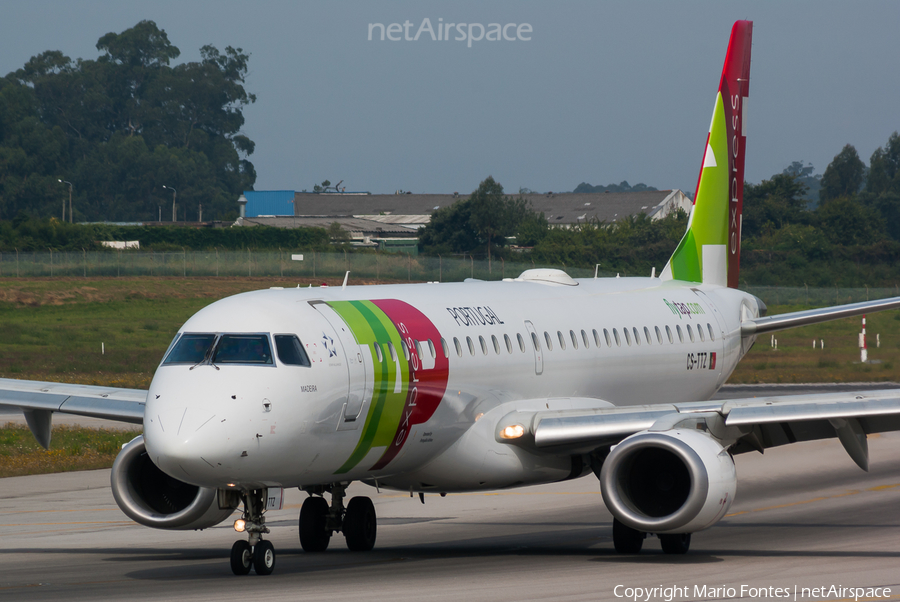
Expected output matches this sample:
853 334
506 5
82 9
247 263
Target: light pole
70 200
174 194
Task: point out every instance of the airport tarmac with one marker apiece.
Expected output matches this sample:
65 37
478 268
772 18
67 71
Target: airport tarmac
804 516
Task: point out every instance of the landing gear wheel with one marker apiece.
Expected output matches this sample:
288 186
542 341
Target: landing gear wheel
314 534
360 524
264 557
625 539
241 558
676 543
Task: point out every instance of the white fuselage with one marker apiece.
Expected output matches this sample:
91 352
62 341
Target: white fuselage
407 382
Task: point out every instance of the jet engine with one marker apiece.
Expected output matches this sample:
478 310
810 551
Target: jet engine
674 481
154 499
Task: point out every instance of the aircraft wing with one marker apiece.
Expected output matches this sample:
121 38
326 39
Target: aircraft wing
38 400
755 326
749 424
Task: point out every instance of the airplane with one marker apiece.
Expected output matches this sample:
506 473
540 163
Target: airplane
458 387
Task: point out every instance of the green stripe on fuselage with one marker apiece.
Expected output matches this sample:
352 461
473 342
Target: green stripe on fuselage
369 325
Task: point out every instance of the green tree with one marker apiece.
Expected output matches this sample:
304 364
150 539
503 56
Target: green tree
884 168
337 234
495 216
772 204
121 126
846 221
844 175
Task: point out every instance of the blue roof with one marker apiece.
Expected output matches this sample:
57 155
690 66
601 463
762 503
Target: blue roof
269 202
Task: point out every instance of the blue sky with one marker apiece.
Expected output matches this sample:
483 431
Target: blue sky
602 91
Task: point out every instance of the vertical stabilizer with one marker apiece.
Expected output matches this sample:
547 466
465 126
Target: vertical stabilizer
710 251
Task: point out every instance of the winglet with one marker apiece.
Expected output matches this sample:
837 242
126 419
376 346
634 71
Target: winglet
710 251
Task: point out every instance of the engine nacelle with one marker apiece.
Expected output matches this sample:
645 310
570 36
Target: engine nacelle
152 498
675 481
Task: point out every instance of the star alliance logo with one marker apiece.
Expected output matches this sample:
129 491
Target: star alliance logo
328 343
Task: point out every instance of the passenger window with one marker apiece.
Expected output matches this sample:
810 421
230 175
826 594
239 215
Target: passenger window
444 347
616 335
700 332
483 344
496 344
290 350
669 334
508 343
658 335
606 336
535 342
549 342
647 335
458 346
712 336
637 335
378 352
392 351
690 332
243 349
471 345
596 338
521 342
574 339
584 338
627 336
562 340
190 349
405 350
680 334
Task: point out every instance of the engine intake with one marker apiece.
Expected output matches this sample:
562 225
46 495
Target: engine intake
676 481
154 499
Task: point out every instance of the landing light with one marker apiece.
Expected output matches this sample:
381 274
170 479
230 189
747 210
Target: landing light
512 432
239 525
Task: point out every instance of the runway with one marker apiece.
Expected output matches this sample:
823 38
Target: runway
804 516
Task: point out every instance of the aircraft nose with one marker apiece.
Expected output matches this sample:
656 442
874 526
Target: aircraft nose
186 442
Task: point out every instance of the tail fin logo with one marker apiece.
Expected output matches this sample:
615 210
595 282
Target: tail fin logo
711 248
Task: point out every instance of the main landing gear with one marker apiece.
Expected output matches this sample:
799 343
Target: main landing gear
630 541
319 521
255 553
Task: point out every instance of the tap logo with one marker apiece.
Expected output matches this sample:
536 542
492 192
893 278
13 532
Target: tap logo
684 309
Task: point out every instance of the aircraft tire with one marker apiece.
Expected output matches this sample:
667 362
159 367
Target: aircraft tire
241 557
314 536
360 524
264 557
625 539
676 543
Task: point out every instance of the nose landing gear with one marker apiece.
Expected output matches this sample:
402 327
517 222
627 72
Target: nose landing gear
255 553
319 521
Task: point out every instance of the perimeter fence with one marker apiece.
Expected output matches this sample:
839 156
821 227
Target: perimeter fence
369 267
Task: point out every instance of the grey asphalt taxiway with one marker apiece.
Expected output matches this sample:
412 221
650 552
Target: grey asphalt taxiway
804 517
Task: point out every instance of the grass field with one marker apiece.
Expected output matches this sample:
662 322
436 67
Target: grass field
72 448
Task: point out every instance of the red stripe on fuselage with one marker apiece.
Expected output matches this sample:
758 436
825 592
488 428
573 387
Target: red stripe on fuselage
426 385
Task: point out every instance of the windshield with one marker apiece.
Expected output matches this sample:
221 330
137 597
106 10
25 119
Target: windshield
243 349
290 350
190 349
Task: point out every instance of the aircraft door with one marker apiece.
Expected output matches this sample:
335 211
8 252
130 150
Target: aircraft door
535 343
354 356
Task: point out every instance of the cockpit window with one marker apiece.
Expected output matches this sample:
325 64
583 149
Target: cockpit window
190 349
243 349
290 350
